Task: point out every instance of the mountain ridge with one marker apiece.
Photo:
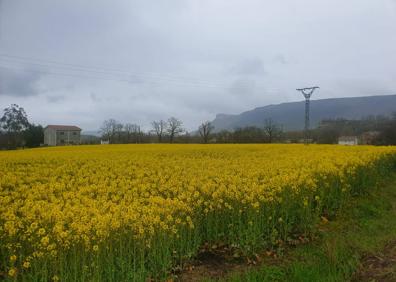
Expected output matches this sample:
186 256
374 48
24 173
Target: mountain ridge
291 114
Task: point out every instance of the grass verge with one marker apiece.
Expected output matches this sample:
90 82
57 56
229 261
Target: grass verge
363 230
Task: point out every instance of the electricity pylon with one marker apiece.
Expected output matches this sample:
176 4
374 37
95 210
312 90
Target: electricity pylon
307 92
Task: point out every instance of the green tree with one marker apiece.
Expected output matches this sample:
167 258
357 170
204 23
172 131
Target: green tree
34 136
14 121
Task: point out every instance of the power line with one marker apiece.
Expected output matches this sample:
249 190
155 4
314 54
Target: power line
159 77
61 74
97 70
114 73
174 83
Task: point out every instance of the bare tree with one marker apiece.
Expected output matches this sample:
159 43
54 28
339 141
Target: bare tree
137 133
174 128
204 130
128 127
133 130
159 127
271 129
109 129
118 129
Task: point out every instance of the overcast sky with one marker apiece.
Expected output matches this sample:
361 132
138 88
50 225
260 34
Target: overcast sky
81 62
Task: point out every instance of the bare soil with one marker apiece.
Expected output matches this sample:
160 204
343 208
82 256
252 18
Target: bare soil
379 267
222 261
219 263
209 264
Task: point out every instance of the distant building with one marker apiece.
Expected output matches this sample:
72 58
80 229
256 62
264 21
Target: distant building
369 137
59 135
348 140
104 142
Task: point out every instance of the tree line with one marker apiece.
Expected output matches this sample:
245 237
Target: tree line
172 131
381 129
162 131
17 132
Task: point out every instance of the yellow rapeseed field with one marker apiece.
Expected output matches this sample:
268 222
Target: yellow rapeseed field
131 212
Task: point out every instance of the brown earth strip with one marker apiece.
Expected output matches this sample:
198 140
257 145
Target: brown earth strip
379 267
220 262
209 264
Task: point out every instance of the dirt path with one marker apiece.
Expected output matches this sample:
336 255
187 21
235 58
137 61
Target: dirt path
220 263
213 264
380 267
374 268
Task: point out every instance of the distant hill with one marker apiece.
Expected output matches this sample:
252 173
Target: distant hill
291 115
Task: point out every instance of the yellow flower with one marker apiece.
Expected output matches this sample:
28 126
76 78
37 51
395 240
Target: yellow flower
44 241
41 231
55 278
13 258
55 199
12 272
26 264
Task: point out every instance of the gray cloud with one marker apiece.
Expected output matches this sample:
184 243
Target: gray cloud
364 87
251 66
242 87
139 61
135 80
280 59
94 97
55 98
18 83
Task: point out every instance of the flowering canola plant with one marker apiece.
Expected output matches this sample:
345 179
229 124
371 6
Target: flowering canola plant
131 212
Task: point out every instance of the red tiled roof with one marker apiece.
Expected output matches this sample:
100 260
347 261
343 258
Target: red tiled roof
63 127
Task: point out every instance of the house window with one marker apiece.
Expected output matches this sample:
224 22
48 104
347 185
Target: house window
62 133
62 141
74 133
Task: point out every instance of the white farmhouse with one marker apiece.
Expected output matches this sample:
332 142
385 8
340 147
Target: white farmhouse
348 140
59 135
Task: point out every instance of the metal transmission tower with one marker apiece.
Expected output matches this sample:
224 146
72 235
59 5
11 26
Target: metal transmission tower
307 92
